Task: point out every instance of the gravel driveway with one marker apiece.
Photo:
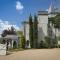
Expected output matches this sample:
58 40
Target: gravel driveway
34 54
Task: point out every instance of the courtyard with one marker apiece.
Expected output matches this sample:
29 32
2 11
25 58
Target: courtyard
34 54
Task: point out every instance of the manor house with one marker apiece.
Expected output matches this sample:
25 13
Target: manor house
43 29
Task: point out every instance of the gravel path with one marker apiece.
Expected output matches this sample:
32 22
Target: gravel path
34 54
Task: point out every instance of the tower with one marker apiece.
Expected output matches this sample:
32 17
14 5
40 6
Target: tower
54 8
42 25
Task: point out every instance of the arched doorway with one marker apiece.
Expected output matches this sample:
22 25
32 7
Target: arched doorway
14 45
27 42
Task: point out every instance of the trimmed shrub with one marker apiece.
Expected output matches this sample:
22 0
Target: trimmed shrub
43 44
48 42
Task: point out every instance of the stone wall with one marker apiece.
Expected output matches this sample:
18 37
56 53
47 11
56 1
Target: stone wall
42 27
2 49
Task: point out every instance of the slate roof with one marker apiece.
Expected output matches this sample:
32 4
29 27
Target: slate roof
42 12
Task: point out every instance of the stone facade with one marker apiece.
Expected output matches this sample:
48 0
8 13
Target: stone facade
26 33
42 27
10 40
42 24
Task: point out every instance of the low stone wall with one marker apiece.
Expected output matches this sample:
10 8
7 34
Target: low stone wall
2 49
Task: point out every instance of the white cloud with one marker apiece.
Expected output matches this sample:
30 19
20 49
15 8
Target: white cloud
19 6
6 25
46 9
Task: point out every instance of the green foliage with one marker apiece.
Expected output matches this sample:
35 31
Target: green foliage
43 44
51 43
1 40
59 46
8 32
20 34
31 30
35 29
4 33
52 20
48 41
23 41
59 38
55 20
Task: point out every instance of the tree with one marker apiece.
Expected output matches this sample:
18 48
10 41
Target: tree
8 32
35 33
20 34
48 41
23 41
13 30
43 44
4 33
52 20
31 30
56 22
57 25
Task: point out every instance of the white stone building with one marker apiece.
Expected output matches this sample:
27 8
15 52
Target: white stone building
42 25
26 33
11 40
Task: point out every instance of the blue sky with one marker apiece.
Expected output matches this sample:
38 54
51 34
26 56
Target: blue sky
16 11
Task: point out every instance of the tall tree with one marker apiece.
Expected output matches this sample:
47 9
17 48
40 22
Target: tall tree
31 30
22 40
20 34
8 32
35 34
13 30
56 21
57 25
4 33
